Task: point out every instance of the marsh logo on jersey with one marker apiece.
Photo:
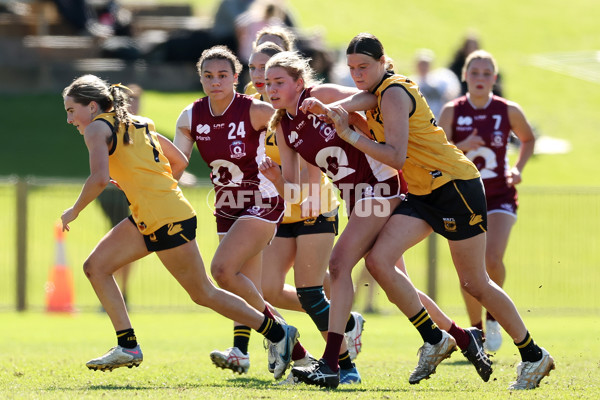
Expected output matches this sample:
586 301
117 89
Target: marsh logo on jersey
202 129
292 137
450 224
237 149
464 120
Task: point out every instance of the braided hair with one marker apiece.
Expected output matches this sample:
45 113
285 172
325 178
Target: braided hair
88 88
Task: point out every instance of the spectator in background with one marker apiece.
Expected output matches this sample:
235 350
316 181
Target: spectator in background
261 15
104 21
223 30
438 85
469 45
280 35
113 201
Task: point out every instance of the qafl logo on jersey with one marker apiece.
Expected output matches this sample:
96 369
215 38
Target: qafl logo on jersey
327 132
497 139
237 149
255 210
464 120
201 131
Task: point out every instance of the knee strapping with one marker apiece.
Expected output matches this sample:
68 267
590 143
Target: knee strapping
316 305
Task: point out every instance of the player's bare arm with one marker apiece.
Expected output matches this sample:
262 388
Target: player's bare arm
183 136
177 159
96 138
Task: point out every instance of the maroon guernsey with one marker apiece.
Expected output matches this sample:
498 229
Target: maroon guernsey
356 174
232 148
493 127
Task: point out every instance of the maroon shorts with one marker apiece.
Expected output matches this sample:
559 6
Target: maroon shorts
269 209
387 189
503 202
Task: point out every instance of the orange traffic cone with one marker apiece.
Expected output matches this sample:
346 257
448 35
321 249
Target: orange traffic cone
59 288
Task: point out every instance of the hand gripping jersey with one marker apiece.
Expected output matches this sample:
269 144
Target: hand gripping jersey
431 160
356 174
493 126
293 212
232 148
144 174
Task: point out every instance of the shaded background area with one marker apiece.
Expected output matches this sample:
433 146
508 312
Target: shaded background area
548 54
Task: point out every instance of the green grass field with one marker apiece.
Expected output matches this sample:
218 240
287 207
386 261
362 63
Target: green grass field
44 357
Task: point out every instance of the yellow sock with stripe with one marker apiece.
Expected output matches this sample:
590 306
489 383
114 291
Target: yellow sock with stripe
427 328
344 361
272 330
241 337
126 338
529 350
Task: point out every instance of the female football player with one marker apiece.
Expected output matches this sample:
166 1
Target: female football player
145 165
228 129
370 189
305 243
445 194
480 125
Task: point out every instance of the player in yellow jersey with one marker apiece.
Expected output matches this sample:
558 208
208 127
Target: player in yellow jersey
445 195
146 166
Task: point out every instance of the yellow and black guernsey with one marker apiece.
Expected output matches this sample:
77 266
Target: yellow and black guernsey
431 160
250 90
293 212
144 174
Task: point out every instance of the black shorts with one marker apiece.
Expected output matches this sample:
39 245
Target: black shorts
321 224
170 235
456 210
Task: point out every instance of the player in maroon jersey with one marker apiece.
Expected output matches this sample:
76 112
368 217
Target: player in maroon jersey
304 243
229 130
480 124
370 189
